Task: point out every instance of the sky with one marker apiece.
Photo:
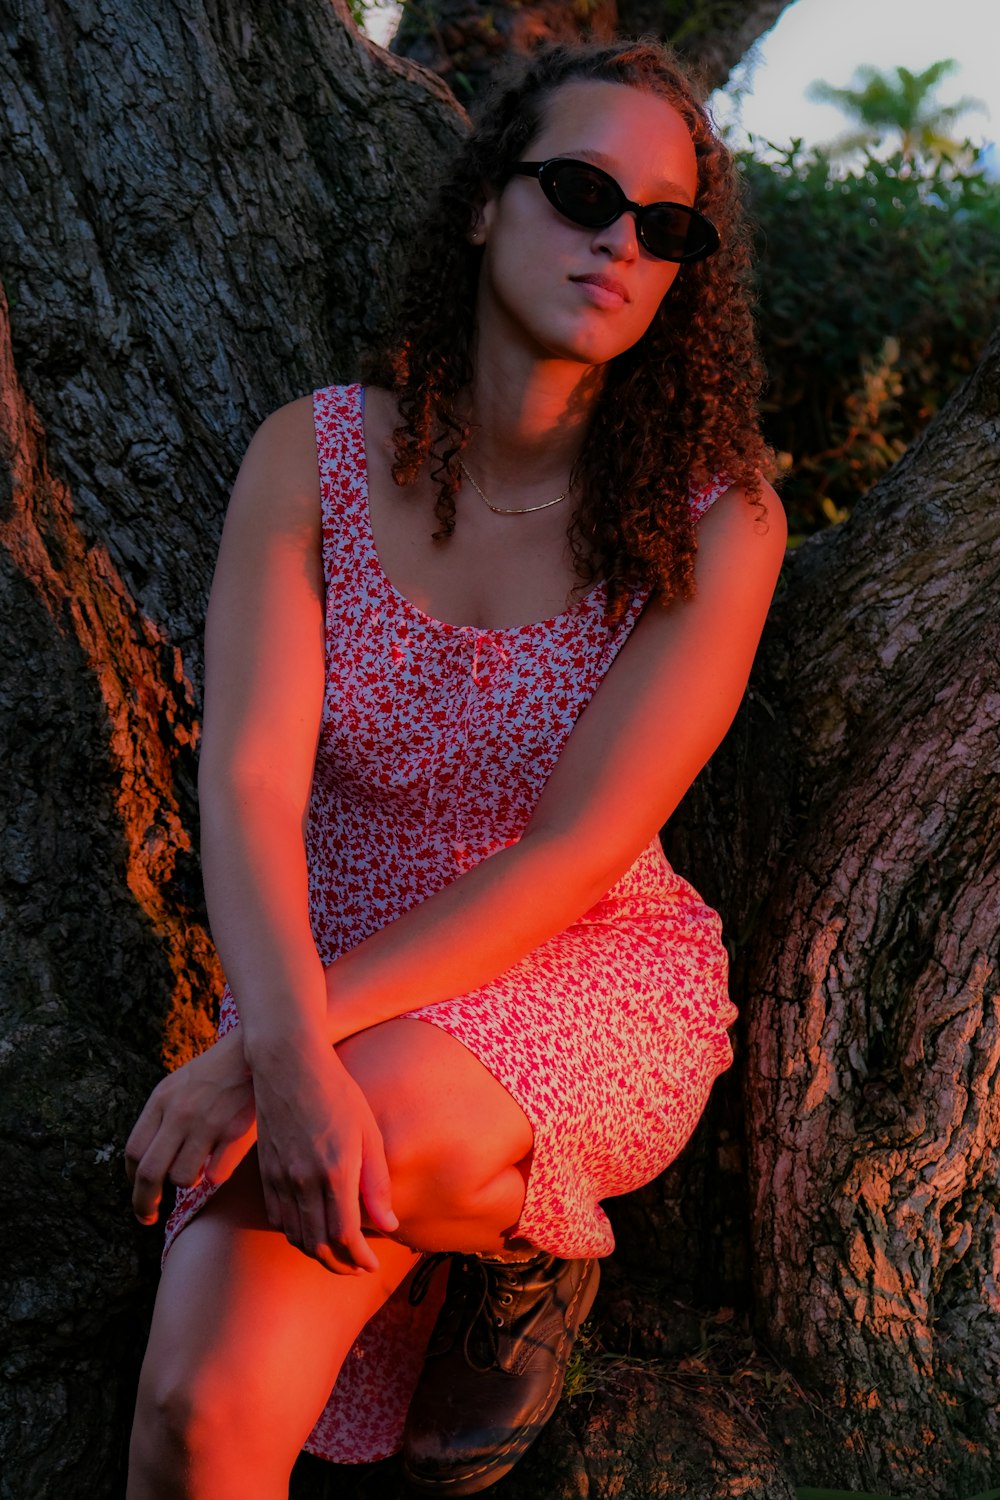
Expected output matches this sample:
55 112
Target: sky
828 39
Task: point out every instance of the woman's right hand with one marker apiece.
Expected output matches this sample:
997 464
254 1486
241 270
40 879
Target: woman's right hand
198 1122
320 1153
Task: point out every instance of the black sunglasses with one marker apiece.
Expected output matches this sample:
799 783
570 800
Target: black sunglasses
587 196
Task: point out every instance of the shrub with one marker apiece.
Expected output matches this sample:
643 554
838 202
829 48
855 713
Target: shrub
878 289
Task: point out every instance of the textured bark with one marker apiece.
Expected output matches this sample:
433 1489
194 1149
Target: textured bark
867 955
874 1032
187 242
200 219
462 40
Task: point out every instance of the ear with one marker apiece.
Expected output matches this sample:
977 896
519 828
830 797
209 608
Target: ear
482 220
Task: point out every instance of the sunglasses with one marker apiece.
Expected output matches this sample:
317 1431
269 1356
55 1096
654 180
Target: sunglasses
589 197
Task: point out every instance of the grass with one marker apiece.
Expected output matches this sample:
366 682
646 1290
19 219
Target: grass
730 1361
727 1359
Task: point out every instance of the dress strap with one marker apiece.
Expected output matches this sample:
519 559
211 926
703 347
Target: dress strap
343 481
703 499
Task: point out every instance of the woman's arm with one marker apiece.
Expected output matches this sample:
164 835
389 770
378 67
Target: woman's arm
317 1138
658 715
263 699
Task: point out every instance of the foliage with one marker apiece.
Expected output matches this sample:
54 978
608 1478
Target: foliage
899 104
878 290
359 10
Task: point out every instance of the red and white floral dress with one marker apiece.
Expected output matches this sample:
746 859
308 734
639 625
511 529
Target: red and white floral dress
435 744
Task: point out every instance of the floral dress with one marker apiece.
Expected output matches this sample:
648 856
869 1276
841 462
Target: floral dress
435 744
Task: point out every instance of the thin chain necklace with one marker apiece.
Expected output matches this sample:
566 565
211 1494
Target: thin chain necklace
503 510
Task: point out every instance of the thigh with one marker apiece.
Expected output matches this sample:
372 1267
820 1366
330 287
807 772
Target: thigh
248 1333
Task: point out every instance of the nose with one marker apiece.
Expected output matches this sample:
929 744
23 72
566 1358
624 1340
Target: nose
619 237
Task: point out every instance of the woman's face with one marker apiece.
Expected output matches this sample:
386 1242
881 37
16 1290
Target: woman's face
561 291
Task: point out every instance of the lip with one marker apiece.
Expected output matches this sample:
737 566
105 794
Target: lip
607 291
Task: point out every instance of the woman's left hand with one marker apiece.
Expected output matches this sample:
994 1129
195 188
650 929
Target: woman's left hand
199 1122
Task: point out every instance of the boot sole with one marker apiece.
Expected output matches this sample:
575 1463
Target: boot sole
488 1473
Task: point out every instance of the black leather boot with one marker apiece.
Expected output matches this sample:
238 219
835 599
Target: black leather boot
495 1366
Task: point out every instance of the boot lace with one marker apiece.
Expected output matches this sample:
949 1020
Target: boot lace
478 1293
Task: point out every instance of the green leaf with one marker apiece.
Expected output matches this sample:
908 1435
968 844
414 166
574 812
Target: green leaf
849 259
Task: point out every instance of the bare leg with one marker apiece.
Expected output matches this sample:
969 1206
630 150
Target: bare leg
249 1334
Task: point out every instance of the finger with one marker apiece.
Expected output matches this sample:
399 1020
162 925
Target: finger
188 1166
272 1182
314 1236
285 1219
226 1157
147 1182
308 1230
376 1187
289 1221
283 1195
142 1135
343 1227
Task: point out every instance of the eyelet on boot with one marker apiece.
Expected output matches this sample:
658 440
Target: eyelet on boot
495 1368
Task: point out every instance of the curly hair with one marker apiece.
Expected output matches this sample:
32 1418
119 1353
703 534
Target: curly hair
673 410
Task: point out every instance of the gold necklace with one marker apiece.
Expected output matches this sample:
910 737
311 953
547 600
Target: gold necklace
503 510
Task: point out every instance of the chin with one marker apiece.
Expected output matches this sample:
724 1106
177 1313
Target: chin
587 345
595 351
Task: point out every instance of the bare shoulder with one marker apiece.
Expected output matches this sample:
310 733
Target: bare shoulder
381 420
288 431
757 522
279 475
742 534
741 547
381 411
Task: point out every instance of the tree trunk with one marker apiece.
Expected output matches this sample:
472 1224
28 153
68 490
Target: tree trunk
874 1029
860 860
200 220
462 40
186 244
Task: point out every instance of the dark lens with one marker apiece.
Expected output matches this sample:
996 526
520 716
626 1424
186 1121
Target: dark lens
671 231
585 194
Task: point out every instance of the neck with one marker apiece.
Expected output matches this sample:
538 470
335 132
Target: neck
529 423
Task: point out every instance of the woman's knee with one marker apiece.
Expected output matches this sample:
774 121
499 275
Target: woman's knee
172 1428
424 1089
432 1173
451 1193
195 1426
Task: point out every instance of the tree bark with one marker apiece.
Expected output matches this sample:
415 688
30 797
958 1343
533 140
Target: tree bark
874 1029
187 242
861 870
200 220
462 40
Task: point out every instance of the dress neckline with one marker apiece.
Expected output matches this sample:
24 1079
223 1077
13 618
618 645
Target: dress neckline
595 595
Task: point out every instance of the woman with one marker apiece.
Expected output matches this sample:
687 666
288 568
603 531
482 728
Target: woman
460 671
